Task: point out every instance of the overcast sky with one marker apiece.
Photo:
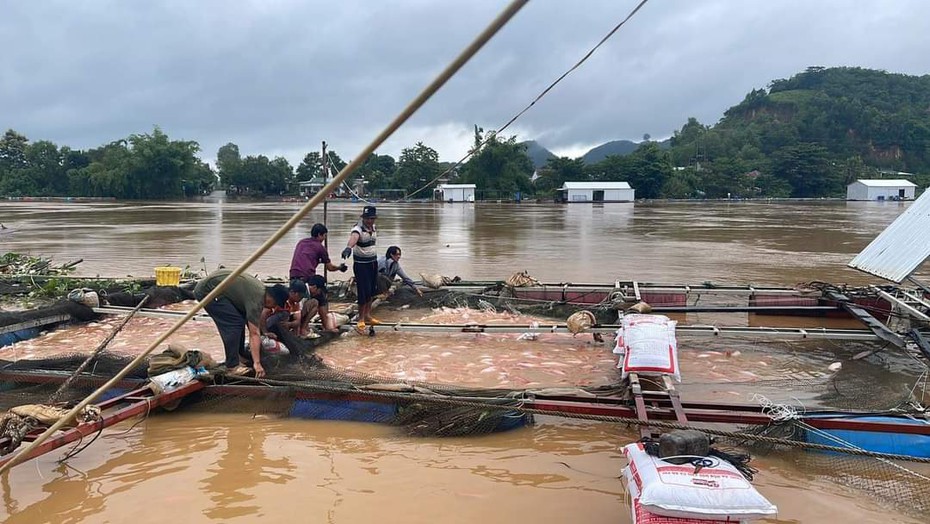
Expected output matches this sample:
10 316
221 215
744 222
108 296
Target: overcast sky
277 77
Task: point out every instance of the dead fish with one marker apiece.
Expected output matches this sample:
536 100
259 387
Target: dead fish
734 353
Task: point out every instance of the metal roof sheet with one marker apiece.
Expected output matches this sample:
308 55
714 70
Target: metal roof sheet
884 182
902 247
456 186
596 185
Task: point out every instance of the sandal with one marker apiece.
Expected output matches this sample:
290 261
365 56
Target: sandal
239 371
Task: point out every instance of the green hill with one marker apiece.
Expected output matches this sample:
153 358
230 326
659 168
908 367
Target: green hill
811 134
538 154
616 147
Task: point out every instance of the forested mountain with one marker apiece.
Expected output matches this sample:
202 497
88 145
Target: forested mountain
809 136
616 147
538 154
805 136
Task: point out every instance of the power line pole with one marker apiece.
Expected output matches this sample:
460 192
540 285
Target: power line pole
325 200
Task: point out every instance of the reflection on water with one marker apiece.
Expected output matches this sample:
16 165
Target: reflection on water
755 242
221 468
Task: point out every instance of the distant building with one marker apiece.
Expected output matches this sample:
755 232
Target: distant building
312 186
880 189
597 192
455 192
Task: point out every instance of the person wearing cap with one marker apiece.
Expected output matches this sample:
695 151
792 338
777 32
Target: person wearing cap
361 247
237 309
311 252
389 268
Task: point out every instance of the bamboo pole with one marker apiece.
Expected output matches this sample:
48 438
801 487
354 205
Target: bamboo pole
499 22
106 342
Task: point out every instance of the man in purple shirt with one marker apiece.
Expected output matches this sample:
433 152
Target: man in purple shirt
309 253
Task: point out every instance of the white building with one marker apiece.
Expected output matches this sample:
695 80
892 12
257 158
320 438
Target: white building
880 189
455 192
597 192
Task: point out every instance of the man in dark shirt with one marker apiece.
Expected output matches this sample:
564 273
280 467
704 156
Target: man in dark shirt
309 253
237 308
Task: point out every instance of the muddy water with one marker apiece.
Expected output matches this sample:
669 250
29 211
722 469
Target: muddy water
208 467
678 242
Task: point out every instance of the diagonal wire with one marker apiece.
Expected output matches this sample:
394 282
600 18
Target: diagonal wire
539 97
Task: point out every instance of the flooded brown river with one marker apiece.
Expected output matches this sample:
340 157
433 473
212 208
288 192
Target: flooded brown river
218 467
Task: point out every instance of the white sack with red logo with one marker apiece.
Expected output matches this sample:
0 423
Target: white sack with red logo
642 516
648 345
717 492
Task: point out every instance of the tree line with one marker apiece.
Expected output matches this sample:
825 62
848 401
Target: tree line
807 136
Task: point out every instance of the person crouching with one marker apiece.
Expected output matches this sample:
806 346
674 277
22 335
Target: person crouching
237 309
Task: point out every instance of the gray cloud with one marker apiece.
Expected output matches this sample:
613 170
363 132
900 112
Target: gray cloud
278 77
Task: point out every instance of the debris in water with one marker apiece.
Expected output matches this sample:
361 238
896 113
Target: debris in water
834 367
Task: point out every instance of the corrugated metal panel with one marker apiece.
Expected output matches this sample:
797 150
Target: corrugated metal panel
902 247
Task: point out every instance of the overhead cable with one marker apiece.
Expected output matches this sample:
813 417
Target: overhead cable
539 97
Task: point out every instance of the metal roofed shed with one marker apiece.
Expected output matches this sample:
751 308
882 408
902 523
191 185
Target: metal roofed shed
881 189
455 192
902 247
597 192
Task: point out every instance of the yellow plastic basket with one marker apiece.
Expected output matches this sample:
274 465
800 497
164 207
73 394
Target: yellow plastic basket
167 276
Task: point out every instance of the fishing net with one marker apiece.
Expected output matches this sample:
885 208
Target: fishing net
603 314
158 296
62 308
298 385
901 487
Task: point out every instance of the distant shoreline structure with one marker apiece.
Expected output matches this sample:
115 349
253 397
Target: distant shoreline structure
291 199
58 199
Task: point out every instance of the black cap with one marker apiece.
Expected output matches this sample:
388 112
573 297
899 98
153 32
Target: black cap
369 212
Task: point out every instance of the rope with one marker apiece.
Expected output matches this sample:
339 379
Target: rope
531 104
404 115
784 413
344 183
515 405
67 383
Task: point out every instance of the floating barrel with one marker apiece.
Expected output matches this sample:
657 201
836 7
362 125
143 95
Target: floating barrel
910 444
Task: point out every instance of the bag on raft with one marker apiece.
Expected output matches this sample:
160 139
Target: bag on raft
642 515
717 491
648 346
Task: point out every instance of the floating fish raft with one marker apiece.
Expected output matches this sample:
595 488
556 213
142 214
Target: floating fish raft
867 430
